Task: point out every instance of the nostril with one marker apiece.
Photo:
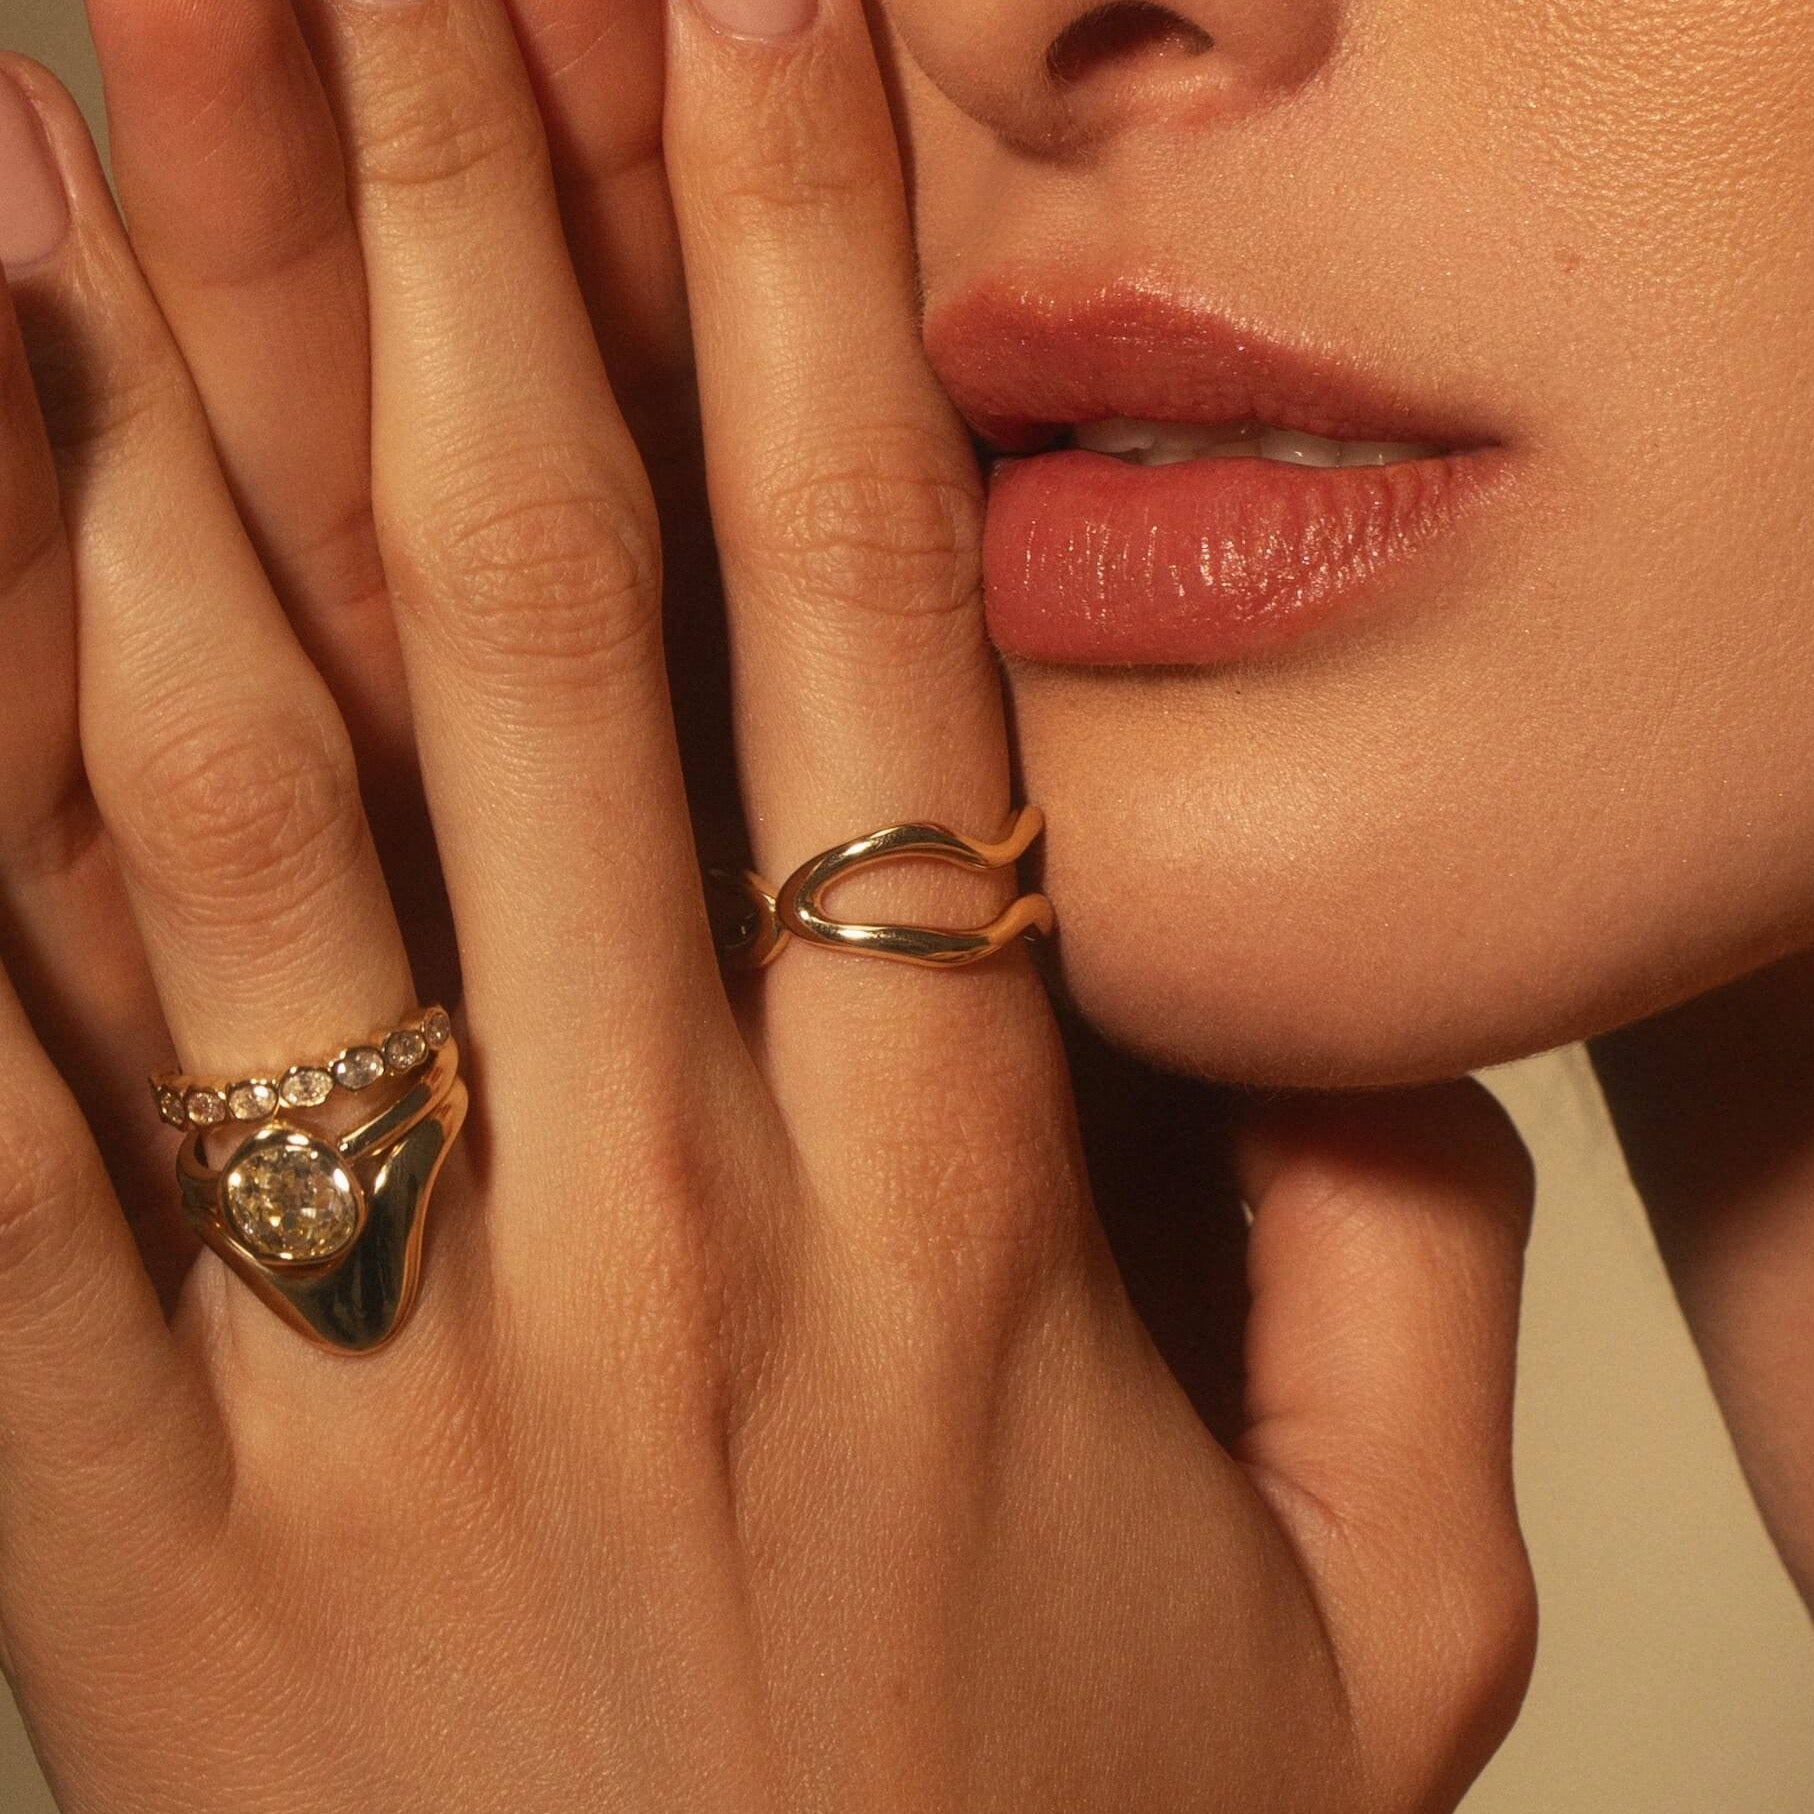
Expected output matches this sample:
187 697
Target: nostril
1118 32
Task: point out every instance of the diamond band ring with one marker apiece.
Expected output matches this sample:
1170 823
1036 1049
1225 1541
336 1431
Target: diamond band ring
186 1102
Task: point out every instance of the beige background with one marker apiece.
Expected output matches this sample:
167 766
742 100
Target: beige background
1676 1674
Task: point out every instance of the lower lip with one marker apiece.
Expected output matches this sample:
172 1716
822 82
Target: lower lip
1092 560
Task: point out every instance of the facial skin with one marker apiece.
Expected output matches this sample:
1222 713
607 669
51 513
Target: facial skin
1561 773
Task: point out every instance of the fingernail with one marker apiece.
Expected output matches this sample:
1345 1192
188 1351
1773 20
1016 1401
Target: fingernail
34 212
760 18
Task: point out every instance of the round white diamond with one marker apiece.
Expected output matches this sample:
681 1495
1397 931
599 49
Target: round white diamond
405 1049
289 1198
171 1107
437 1029
306 1087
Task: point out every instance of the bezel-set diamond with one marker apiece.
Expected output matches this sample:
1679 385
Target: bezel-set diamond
358 1067
190 1102
306 1086
253 1099
206 1107
290 1198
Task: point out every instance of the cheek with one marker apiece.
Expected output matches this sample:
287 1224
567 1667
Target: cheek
1423 851
1568 778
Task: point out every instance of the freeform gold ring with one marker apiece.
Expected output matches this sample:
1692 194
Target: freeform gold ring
327 1228
768 918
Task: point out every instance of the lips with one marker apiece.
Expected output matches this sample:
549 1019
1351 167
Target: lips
1091 559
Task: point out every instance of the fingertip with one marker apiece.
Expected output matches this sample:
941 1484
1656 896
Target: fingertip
1448 1142
58 113
34 203
54 179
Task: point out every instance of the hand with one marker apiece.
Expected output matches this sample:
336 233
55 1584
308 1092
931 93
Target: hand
1713 1104
244 233
776 1431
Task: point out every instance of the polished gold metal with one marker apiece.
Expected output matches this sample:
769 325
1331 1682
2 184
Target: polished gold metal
186 1101
356 1298
800 909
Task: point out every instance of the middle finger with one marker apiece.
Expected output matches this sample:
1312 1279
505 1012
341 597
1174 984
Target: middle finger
519 536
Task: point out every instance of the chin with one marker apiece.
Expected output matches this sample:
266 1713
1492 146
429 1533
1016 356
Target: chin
1308 1008
1259 893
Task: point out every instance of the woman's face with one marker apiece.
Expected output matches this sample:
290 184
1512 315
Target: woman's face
1383 773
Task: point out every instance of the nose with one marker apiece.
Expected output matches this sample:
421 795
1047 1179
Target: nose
1059 76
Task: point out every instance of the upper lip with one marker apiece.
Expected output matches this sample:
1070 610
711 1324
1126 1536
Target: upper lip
1024 361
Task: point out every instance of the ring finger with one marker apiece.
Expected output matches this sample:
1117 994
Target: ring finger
215 754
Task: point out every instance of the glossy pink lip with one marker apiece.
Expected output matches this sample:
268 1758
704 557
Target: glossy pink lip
1091 559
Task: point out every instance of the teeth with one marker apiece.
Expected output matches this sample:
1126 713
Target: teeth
1385 453
1168 443
1299 450
1120 436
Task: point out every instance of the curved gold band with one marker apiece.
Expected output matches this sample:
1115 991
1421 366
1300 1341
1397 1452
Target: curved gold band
769 917
329 1232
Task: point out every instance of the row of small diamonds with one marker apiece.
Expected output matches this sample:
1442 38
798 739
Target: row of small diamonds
305 1086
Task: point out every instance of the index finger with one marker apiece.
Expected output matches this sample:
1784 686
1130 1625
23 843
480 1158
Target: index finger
848 509
845 498
597 74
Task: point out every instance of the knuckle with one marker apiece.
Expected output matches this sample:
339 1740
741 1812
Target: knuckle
1499 1629
678 1315
786 164
428 137
764 185
551 590
982 1256
895 530
983 1268
255 811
